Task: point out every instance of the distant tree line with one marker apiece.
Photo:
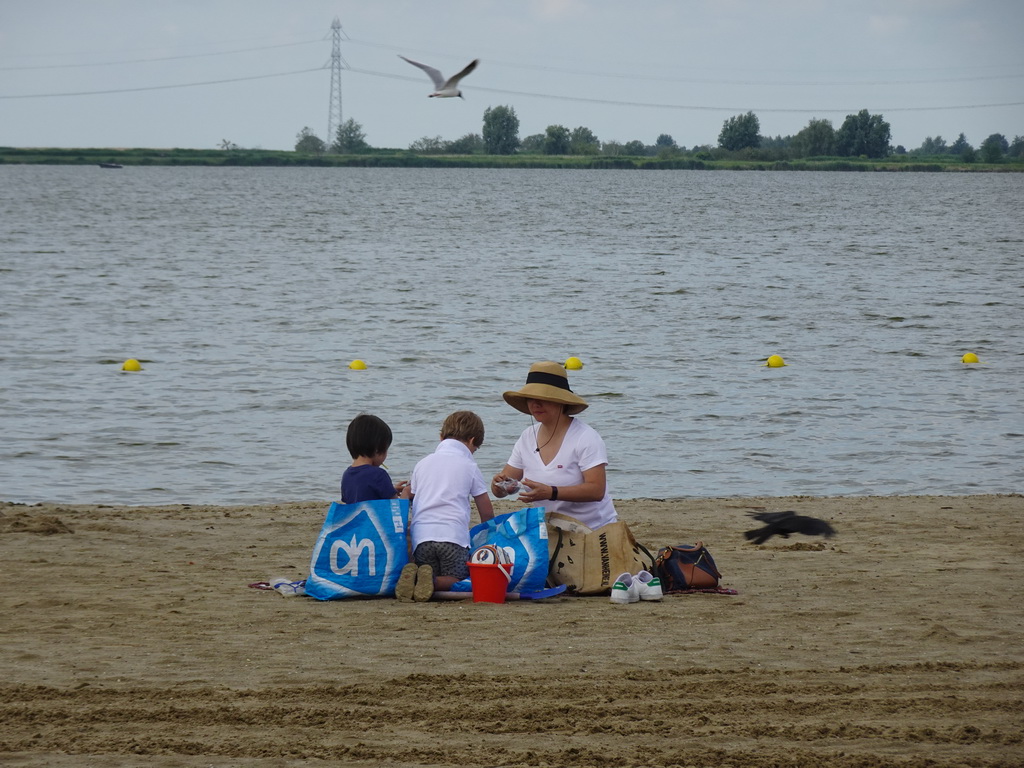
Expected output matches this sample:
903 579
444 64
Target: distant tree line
860 135
992 149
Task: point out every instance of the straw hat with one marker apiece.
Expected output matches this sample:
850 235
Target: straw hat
546 381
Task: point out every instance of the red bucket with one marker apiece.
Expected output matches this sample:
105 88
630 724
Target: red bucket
490 581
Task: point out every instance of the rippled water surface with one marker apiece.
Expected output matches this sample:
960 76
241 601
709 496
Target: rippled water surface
246 293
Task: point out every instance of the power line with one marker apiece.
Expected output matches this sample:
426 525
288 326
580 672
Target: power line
158 58
161 87
691 107
109 51
581 72
719 81
528 94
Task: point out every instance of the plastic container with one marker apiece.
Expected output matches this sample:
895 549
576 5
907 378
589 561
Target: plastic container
510 486
490 581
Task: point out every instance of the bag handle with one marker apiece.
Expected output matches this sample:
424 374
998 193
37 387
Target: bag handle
666 552
506 572
697 546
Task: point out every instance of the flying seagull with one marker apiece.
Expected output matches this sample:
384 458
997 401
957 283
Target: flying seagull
784 523
446 89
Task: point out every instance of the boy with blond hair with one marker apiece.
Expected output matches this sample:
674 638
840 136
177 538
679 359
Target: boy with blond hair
440 488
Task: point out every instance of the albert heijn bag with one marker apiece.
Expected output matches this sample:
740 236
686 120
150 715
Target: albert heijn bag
360 551
588 561
523 536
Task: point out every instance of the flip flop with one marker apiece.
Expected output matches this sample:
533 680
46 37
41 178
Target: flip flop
542 593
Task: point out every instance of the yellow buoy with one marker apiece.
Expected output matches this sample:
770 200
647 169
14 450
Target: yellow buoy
357 365
970 357
775 361
131 364
573 364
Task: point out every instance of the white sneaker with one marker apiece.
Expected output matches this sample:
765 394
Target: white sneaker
624 590
648 586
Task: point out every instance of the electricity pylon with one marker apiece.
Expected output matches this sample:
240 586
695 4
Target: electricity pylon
334 108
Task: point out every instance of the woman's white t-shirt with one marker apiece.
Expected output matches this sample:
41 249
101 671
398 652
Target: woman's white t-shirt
582 449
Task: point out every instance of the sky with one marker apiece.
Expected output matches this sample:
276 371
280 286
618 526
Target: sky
196 73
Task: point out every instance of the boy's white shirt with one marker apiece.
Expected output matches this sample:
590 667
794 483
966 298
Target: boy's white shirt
442 485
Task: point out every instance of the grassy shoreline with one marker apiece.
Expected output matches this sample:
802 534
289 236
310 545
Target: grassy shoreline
406 159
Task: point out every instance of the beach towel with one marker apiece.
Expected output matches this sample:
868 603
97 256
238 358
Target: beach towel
360 551
523 535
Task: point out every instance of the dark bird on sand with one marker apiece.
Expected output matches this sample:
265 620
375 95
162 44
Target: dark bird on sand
784 523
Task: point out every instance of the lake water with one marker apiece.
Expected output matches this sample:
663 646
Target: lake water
246 292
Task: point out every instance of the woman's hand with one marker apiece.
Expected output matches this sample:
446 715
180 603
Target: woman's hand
498 485
531 491
591 489
499 481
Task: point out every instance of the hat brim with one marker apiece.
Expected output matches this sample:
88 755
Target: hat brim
517 399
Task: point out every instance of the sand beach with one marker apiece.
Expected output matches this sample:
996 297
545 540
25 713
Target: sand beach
130 637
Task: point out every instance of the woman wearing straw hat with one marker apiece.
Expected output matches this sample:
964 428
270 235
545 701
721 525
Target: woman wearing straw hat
558 460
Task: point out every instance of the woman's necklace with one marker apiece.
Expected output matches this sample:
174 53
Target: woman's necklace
553 433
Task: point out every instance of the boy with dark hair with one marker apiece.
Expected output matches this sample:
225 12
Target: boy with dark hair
441 486
368 439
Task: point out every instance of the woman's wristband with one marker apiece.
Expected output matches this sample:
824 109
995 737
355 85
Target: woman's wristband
554 493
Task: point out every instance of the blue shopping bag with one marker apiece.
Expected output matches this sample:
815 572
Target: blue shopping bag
523 535
360 551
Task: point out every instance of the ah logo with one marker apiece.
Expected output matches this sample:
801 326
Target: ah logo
353 552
